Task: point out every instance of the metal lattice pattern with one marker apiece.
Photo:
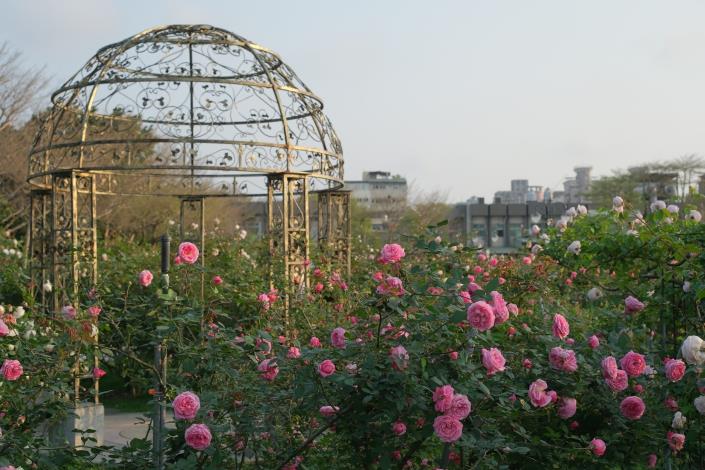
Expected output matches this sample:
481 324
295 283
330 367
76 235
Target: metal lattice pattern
187 109
334 231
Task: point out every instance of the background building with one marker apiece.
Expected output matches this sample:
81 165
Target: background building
382 194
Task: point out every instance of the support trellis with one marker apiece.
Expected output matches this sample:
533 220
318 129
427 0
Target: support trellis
334 229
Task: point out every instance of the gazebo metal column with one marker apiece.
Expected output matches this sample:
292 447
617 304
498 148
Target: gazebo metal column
40 246
288 231
334 229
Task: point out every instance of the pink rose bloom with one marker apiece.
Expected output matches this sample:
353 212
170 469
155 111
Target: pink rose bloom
273 295
98 373
526 363
337 338
263 299
443 398
326 368
400 357
651 461
481 257
263 345
378 276
465 297
188 252
391 286
526 260
186 405
481 315
217 280
619 383
567 407
4 330
69 312
675 369
493 360
178 260
328 410
632 305
145 278
198 436
447 428
499 308
563 359
399 428
598 447
513 309
609 367
8 467
594 342
94 310
561 328
670 403
537 394
633 363
318 288
460 407
453 355
632 407
294 353
472 287
11 369
675 441
269 369
391 253
314 342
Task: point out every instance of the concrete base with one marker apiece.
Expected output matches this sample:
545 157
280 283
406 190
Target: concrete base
84 416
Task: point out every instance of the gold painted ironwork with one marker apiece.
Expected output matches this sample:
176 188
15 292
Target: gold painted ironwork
288 231
189 111
334 230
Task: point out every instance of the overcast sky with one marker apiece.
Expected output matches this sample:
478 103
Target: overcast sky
458 96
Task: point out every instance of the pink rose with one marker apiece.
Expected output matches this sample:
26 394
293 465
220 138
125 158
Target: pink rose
472 287
98 373
269 369
447 428
11 369
217 280
593 342
633 363
69 312
671 403
198 436
598 447
619 383
499 308
178 260
651 461
318 288
453 355
460 407
399 428
4 330
537 394
145 278
94 310
632 407
493 360
563 359
609 367
400 357
328 410
314 342
675 369
294 353
513 309
188 252
632 305
391 253
391 286
263 299
481 316
337 338
567 407
675 441
443 398
561 328
186 405
326 368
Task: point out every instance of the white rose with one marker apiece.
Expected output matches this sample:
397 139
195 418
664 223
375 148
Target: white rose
535 230
678 420
693 350
673 209
686 286
594 293
617 201
657 206
47 287
574 247
694 215
18 312
700 404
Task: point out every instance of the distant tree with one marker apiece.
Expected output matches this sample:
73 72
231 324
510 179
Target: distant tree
425 208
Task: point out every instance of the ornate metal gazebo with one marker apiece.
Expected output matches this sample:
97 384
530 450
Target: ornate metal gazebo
188 111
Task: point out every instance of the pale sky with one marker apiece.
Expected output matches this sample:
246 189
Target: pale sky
458 96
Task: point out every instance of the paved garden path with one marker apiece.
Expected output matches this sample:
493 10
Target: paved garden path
121 427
